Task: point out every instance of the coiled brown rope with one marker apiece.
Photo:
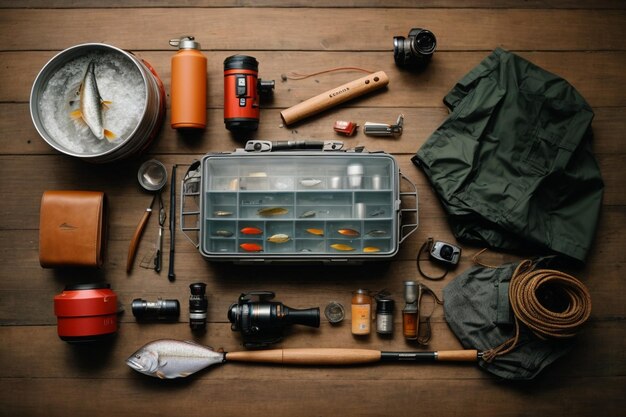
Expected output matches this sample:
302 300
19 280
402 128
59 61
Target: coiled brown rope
524 296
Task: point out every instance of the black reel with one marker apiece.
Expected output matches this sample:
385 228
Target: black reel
263 322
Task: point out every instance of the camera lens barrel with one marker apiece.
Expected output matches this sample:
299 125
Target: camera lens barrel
198 305
161 310
306 317
416 50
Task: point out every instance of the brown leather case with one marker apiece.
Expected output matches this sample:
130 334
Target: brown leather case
72 229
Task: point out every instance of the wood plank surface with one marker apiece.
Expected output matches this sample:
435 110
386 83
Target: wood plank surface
41 375
501 4
289 29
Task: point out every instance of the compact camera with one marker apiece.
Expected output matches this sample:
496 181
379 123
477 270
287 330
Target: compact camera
445 252
416 50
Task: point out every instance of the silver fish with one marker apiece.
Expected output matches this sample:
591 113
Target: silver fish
91 105
222 213
168 358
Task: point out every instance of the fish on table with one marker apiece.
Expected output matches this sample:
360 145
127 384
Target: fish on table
92 105
167 358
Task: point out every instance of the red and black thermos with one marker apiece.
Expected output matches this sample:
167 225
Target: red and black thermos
242 91
86 312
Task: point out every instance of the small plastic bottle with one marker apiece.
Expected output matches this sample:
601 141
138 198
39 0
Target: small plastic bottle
189 81
361 312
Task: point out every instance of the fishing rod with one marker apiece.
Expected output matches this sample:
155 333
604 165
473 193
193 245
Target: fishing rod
168 358
342 356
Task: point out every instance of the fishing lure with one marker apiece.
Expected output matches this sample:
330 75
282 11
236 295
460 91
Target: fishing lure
348 232
306 214
370 249
316 232
272 211
376 213
278 238
251 231
376 233
342 247
223 233
251 247
222 213
310 182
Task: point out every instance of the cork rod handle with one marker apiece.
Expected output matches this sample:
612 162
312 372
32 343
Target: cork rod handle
321 356
334 97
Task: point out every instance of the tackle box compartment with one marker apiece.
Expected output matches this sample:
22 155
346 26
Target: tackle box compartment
297 206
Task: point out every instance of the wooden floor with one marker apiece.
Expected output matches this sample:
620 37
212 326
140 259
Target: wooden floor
41 375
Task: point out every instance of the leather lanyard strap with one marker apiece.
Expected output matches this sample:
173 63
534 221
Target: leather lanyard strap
530 292
427 334
427 246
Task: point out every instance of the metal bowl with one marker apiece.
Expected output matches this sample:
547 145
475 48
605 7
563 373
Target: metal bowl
137 138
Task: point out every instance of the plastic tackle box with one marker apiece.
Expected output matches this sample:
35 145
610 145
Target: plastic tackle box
297 206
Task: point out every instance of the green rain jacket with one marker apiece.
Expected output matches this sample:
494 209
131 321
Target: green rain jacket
512 164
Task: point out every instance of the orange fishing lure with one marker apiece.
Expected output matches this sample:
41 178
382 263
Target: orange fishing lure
251 247
251 231
348 232
342 247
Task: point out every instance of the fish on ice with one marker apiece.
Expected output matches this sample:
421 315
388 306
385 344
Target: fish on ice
92 105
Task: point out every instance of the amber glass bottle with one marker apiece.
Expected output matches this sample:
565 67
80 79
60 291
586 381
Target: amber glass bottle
410 314
361 312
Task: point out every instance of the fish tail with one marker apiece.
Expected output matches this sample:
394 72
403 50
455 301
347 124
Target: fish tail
106 104
76 114
109 135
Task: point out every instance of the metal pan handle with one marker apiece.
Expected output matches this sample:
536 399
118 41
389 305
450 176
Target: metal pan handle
407 229
190 197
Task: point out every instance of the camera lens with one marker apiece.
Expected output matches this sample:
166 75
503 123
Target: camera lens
163 310
416 50
424 43
446 252
198 305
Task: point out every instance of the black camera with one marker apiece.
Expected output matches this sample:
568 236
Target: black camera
263 322
445 252
416 50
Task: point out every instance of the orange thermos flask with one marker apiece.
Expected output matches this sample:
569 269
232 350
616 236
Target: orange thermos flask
188 89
